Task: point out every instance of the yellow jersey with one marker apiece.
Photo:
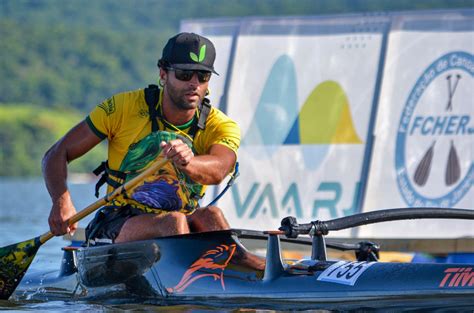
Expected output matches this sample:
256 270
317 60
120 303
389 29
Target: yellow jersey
124 120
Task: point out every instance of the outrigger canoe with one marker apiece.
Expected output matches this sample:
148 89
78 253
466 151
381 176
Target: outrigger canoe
207 268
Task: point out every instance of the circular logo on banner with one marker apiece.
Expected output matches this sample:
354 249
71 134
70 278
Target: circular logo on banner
433 156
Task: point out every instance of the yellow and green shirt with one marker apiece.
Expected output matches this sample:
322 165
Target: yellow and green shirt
124 120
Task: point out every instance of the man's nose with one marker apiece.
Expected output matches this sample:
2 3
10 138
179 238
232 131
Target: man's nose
194 79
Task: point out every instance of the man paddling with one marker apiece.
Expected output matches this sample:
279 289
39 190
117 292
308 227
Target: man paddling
174 122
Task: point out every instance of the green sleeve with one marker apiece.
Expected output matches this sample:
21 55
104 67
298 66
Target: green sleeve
97 132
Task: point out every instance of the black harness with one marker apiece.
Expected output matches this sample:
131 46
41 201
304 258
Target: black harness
152 96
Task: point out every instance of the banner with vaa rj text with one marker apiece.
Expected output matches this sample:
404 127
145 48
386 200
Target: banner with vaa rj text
347 114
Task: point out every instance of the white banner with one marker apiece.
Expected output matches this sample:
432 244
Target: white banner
303 105
424 149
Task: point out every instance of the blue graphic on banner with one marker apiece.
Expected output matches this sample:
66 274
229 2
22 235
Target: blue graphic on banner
277 108
267 201
324 119
436 126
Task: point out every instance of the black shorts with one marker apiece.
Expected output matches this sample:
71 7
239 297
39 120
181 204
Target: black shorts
108 222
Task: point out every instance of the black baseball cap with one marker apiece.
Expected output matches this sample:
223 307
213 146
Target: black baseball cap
189 51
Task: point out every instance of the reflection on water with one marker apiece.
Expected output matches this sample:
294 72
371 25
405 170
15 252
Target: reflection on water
80 306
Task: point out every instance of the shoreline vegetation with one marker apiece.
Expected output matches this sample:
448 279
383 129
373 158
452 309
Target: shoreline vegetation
75 178
27 132
58 59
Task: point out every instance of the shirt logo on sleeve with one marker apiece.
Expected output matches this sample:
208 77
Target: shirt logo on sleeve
108 106
230 143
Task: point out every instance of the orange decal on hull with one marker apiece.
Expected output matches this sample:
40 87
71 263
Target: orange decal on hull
215 259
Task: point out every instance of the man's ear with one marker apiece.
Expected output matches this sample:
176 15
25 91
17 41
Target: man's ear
163 75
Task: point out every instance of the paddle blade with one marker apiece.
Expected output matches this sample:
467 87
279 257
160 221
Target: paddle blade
453 169
423 169
14 261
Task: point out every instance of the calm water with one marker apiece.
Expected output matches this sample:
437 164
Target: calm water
24 210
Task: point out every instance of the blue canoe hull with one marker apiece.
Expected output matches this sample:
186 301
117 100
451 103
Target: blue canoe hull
212 269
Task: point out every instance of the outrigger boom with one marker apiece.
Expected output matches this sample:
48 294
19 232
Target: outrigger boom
317 229
292 229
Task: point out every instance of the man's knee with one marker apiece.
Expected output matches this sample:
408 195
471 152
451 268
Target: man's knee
208 219
212 211
176 219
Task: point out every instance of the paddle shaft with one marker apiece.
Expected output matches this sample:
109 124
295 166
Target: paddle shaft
109 197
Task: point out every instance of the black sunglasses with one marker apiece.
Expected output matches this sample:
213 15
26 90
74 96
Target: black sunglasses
186 75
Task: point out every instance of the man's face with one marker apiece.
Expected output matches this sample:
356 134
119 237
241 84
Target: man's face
185 95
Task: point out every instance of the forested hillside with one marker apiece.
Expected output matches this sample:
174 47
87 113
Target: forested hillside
59 58
26 132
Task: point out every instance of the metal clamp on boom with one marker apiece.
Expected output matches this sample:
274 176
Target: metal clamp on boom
292 229
316 229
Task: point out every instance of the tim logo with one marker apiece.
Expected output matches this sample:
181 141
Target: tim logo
211 264
458 277
433 158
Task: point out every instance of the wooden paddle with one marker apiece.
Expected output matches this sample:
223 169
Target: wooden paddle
16 258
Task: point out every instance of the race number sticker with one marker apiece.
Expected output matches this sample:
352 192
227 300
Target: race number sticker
345 273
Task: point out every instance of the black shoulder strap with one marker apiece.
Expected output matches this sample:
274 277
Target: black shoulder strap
204 110
152 94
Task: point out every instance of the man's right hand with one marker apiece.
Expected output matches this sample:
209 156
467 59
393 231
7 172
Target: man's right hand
63 209
74 144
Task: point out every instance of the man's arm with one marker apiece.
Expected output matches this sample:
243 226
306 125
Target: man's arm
78 141
208 169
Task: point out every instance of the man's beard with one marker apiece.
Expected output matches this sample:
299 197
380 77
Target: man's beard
178 97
